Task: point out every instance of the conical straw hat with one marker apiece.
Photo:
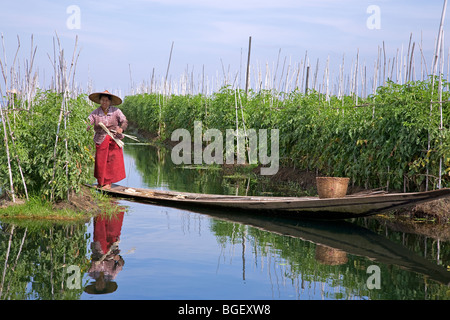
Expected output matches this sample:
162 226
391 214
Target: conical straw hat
115 100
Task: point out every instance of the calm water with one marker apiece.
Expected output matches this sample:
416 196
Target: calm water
167 253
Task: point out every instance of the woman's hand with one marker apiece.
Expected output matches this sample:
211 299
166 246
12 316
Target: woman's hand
119 130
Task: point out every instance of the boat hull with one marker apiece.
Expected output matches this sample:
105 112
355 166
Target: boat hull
352 206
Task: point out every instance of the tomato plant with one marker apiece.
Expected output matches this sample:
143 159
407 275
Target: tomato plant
394 137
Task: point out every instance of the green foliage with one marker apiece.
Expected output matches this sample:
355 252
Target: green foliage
35 133
36 259
381 142
144 110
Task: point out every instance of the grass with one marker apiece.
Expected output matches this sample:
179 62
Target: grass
89 203
36 208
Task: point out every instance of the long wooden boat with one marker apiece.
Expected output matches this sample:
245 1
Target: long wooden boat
351 206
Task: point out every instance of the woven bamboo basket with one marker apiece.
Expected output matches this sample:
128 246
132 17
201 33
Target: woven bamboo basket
332 187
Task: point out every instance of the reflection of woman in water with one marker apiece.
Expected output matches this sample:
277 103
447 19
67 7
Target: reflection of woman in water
106 261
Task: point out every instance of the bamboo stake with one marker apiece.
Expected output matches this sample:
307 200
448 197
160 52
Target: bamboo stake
435 60
17 156
356 77
267 77
12 103
203 80
168 66
411 61
286 81
364 79
400 76
7 153
152 80
307 79
298 74
304 70
63 77
276 69
4 120
384 65
260 77
448 68
407 75
341 80
315 74
396 67
13 80
236 109
441 124
423 61
28 80
438 43
281 77
391 77
248 65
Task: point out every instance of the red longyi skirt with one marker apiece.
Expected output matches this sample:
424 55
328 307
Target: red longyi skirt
107 230
109 164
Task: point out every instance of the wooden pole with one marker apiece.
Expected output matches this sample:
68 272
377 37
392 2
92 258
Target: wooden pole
307 79
384 65
355 86
435 60
248 65
315 74
168 67
3 119
276 70
441 124
7 153
438 42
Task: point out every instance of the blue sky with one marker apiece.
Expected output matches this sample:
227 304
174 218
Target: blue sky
118 36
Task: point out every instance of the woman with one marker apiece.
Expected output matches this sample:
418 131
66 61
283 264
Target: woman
109 164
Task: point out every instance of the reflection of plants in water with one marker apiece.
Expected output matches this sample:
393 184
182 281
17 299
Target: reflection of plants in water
313 269
432 244
36 257
158 171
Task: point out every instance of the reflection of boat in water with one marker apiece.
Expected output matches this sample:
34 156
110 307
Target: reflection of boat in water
338 238
351 206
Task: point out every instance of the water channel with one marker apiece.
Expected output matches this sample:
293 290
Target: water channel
174 254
